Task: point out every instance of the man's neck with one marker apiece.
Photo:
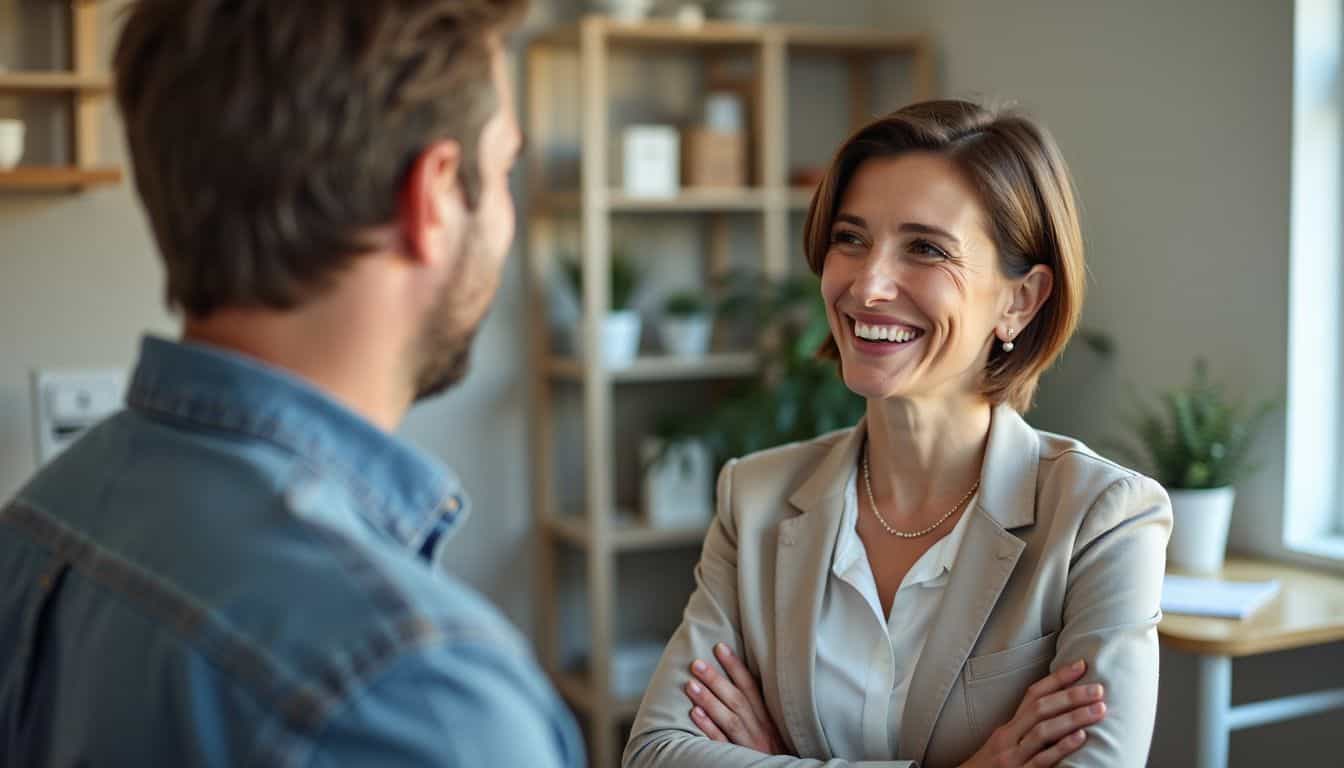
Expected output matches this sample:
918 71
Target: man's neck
325 345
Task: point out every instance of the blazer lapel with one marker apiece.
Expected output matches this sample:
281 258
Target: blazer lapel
988 554
802 563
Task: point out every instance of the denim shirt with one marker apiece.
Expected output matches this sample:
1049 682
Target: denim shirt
232 572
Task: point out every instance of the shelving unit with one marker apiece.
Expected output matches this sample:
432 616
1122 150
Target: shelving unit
87 87
603 531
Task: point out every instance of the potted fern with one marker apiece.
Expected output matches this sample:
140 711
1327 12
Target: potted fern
686 324
1198 446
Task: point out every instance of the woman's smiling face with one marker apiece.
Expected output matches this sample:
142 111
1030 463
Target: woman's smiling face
911 280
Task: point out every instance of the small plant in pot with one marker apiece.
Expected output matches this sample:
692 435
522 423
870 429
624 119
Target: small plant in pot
686 325
1198 446
621 329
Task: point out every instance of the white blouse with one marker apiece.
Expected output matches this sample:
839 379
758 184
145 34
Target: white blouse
865 660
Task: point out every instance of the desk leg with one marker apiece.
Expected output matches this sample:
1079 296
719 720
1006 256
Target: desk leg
1215 700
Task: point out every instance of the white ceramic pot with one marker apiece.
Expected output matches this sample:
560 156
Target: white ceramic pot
11 143
686 336
620 339
677 489
1200 519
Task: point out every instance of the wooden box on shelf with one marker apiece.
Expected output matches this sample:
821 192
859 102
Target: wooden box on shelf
713 158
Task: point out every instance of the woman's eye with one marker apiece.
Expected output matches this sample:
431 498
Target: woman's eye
927 249
846 238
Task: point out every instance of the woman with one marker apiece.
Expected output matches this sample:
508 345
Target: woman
941 584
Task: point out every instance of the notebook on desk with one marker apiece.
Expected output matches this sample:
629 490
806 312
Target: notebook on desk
1214 597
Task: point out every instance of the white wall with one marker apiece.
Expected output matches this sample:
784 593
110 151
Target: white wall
1175 118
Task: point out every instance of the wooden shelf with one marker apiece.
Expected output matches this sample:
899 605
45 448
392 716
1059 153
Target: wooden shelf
627 533
576 690
689 200
665 368
54 82
666 32
34 178
657 32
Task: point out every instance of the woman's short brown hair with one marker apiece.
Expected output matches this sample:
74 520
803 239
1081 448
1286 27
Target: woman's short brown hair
1026 192
270 137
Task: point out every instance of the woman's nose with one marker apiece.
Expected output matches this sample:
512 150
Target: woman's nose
875 284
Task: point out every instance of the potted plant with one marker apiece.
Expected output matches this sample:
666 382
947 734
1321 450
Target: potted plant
1198 446
622 327
678 483
686 324
794 395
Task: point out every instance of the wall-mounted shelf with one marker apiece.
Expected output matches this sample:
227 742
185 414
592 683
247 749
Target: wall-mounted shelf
57 179
87 86
54 82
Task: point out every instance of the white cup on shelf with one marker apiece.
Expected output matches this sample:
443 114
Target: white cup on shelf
11 143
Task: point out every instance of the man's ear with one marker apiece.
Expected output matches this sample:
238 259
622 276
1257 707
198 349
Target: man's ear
432 201
1028 296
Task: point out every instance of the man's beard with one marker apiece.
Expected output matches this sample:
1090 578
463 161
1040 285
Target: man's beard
445 341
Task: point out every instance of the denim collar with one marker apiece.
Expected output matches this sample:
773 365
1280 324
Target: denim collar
398 489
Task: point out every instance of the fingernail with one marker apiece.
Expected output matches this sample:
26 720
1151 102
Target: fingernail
723 650
698 712
1077 665
699 666
1095 691
1077 736
1097 708
695 688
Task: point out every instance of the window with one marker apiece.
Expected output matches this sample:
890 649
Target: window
1314 465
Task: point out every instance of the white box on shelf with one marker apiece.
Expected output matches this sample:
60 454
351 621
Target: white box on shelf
677 487
651 157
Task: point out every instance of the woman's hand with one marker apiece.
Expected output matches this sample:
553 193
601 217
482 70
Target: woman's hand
730 709
1048 725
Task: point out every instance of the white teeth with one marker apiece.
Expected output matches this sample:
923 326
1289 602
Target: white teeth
892 333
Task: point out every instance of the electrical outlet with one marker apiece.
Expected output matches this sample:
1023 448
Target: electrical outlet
66 403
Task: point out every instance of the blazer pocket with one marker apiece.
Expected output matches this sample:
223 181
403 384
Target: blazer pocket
1017 657
996 682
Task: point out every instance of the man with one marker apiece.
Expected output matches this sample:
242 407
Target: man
236 569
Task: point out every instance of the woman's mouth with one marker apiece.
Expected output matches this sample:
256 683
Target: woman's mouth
895 334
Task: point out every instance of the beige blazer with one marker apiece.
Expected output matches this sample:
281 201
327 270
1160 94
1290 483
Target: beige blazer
1062 559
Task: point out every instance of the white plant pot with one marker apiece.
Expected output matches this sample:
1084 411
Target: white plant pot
678 489
686 336
1200 520
620 339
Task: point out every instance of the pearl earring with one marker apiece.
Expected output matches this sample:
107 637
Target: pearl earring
1008 345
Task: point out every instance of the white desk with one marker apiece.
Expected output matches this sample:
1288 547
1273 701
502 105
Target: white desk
1309 610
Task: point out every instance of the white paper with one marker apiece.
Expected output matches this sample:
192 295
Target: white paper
1214 597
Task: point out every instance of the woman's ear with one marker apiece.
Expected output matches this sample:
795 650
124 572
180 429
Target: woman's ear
1029 294
433 203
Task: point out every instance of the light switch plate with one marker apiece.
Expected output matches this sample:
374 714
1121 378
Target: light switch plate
67 402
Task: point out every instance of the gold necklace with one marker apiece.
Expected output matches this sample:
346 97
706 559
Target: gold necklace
868 484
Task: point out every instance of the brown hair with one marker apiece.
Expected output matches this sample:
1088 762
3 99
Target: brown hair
270 137
1028 195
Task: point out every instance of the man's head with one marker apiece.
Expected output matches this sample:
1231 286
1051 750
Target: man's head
276 145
